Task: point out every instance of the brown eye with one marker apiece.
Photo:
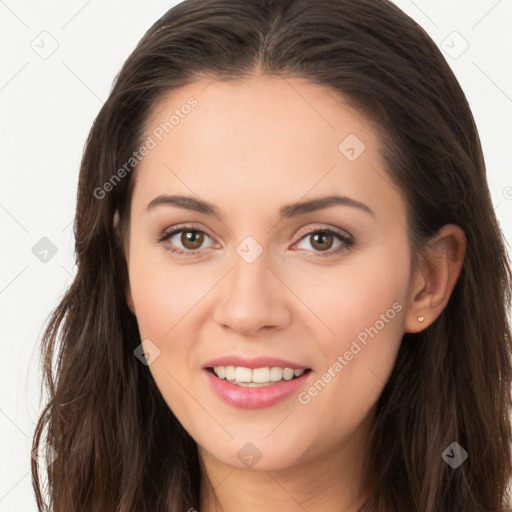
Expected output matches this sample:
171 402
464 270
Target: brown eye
191 239
322 240
185 240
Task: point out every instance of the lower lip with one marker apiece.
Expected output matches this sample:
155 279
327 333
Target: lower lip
254 398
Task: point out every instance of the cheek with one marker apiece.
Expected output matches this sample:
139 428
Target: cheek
163 293
365 312
356 297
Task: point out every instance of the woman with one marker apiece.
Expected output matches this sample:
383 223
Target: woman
292 288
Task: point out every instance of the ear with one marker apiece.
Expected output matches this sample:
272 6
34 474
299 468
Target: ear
129 299
435 277
115 221
128 291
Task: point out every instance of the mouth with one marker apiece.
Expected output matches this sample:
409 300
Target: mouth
255 388
256 377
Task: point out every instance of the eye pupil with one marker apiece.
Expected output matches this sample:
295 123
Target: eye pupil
192 237
322 236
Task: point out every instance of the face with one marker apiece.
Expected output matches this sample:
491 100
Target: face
257 280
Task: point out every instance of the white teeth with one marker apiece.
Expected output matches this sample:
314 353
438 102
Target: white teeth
276 374
257 377
288 374
230 372
261 375
243 374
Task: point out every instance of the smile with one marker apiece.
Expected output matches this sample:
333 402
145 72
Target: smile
257 377
239 386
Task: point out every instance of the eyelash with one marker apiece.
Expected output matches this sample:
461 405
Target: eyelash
347 241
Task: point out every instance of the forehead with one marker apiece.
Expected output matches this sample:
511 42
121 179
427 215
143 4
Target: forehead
262 106
261 139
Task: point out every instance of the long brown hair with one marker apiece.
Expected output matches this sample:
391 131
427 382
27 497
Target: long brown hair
118 446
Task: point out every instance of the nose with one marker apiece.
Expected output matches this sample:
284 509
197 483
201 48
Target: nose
252 297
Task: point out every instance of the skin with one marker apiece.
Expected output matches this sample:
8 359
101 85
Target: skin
250 147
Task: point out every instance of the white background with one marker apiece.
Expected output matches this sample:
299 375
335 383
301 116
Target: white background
48 106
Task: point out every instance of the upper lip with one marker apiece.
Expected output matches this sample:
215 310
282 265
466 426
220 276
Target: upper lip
254 362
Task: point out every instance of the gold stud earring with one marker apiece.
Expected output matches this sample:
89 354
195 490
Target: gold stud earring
420 319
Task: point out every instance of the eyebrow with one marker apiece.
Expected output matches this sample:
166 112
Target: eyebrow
285 212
